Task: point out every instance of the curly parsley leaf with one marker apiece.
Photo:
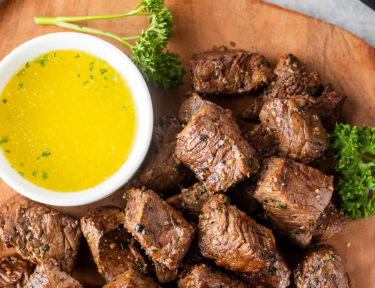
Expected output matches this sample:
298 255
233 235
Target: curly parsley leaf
160 67
355 153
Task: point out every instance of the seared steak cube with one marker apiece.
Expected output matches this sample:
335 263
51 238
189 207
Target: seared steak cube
40 233
163 171
190 201
164 274
234 240
203 276
110 243
261 139
212 146
229 71
14 271
132 279
160 229
293 194
291 79
329 107
46 276
299 132
329 224
252 109
321 268
274 276
190 107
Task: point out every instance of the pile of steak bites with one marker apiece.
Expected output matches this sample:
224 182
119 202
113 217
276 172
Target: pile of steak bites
221 200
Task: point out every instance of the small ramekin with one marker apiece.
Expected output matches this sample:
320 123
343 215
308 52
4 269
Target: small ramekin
30 50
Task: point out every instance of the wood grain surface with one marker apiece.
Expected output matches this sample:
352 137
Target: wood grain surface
340 57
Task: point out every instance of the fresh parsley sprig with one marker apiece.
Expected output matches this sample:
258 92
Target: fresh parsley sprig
355 152
159 66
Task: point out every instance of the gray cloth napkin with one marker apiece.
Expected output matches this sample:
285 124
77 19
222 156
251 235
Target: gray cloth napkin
351 15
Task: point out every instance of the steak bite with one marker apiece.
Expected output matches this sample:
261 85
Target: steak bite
47 276
253 107
212 146
14 271
229 71
299 132
291 79
164 274
39 233
234 240
191 106
190 201
112 247
132 279
261 139
329 224
203 276
160 229
321 268
163 171
276 275
329 107
293 196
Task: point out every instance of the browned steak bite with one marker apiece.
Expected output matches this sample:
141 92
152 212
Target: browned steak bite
293 196
212 146
329 224
14 271
291 79
163 171
110 243
40 233
229 71
252 109
321 268
190 107
46 276
190 201
234 240
132 279
164 274
160 229
261 139
299 132
329 107
203 276
276 275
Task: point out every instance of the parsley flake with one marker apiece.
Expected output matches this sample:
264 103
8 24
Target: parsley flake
46 153
4 140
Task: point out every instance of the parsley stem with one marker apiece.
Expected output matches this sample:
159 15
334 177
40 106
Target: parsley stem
55 20
90 30
131 37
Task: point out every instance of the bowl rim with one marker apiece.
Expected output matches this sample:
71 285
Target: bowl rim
38 46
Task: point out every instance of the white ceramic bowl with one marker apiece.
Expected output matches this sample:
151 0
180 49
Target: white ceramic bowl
30 50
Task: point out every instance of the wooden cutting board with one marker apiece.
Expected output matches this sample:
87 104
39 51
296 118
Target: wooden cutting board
339 56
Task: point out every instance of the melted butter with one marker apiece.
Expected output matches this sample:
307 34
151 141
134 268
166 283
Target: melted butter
67 121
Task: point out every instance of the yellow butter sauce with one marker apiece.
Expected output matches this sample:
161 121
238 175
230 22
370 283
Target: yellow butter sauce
67 121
